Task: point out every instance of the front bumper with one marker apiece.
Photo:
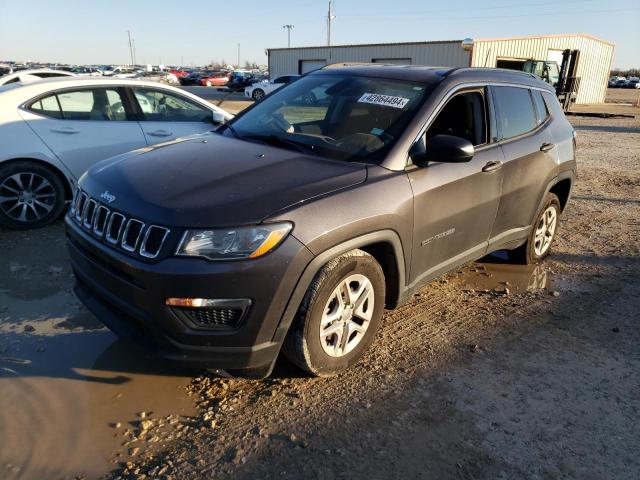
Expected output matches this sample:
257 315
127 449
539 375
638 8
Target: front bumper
129 297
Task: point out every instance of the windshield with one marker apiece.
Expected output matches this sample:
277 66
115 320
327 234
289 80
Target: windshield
337 116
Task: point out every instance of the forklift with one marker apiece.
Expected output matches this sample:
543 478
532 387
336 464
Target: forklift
562 77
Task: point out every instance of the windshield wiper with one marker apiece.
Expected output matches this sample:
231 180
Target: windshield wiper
278 141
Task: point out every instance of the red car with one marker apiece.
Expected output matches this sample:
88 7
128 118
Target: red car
216 80
178 73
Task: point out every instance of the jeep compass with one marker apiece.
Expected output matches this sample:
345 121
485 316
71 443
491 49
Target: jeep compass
295 225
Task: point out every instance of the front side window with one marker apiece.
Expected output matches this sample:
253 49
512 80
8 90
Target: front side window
515 111
98 104
463 116
159 106
339 116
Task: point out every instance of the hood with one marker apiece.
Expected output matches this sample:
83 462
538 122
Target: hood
210 180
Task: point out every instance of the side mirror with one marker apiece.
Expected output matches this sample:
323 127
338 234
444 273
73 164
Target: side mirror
442 148
218 118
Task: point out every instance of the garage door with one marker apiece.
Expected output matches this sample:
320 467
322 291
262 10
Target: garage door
308 65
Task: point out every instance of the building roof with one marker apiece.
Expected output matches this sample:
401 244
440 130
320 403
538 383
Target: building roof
431 42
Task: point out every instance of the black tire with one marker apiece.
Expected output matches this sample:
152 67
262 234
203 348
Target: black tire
257 94
303 343
53 195
526 254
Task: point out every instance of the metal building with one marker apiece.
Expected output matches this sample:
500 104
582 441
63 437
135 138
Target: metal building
594 61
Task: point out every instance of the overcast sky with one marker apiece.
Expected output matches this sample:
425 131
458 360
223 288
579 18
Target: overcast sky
198 32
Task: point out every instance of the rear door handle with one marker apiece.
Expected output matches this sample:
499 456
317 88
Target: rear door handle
545 147
67 130
160 133
492 166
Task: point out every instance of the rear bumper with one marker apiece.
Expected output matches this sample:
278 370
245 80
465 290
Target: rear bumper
129 297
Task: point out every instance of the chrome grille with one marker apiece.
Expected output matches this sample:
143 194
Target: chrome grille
116 229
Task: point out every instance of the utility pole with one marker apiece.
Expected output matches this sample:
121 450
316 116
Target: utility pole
133 44
288 27
330 17
238 55
130 46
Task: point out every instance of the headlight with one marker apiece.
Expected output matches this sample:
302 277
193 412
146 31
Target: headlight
233 243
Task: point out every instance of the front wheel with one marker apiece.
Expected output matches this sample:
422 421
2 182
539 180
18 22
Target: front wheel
31 195
208 83
339 315
542 234
258 94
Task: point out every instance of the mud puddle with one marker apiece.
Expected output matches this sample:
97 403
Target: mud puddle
67 398
66 381
494 274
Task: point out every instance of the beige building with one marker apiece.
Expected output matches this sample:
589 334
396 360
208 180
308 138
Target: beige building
594 60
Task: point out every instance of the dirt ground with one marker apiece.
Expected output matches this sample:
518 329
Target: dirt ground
495 371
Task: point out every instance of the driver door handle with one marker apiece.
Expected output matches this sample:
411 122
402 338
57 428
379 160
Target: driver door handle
545 147
492 166
160 133
67 130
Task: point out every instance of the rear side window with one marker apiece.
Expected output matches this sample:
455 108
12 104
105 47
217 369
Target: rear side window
515 111
541 108
47 106
102 104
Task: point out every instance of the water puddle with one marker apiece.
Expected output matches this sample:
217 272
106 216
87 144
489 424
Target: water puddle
494 274
68 387
63 395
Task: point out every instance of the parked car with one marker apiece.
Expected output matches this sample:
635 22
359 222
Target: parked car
632 82
194 77
123 72
87 71
257 91
293 227
622 83
53 130
238 81
218 79
26 76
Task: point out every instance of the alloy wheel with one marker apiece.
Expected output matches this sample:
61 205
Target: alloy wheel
545 230
347 315
27 197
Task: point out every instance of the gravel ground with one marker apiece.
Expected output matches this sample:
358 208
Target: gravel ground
494 371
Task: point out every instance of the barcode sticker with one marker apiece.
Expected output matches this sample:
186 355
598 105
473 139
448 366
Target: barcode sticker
384 100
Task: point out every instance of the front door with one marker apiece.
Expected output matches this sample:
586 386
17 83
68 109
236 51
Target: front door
455 204
83 126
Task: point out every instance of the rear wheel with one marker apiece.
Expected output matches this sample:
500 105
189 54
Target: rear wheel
258 94
339 316
208 83
542 234
31 195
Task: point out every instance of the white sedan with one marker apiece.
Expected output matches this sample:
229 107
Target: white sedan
257 91
53 130
33 75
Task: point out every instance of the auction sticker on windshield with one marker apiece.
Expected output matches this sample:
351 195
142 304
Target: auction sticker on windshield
385 100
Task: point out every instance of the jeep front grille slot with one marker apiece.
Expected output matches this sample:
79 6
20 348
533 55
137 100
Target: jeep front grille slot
114 227
89 211
132 234
100 220
153 240
120 231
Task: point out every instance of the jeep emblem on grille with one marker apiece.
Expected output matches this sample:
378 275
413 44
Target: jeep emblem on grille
108 197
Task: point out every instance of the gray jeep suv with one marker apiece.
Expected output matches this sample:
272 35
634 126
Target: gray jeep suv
296 224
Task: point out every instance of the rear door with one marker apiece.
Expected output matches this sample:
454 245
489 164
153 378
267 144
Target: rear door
84 125
167 115
529 158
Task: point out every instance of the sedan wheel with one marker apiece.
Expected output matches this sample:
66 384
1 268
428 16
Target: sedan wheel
258 94
208 83
545 230
30 195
